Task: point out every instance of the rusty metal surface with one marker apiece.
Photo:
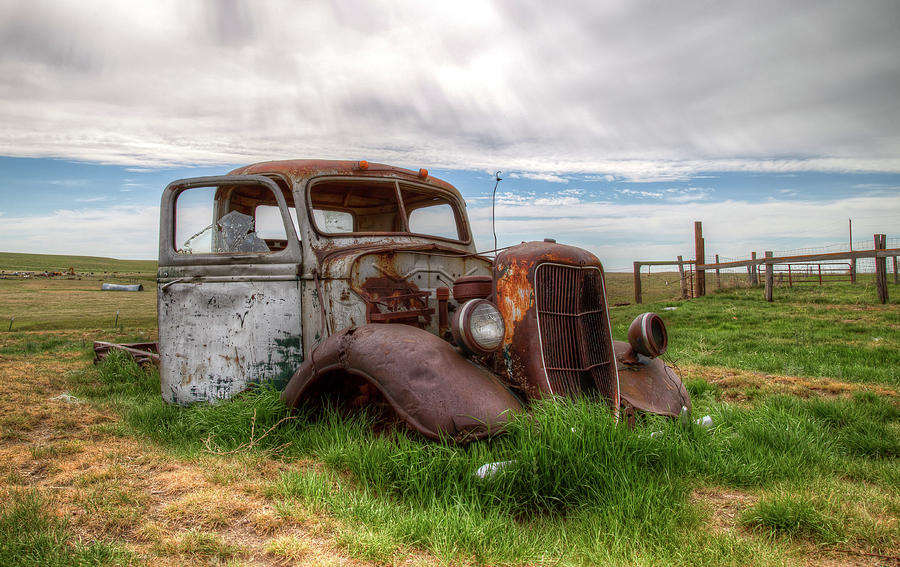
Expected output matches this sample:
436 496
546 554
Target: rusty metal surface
299 169
142 353
427 382
649 385
647 335
393 282
472 287
525 344
576 339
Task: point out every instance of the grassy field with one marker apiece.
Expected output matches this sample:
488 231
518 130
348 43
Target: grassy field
76 302
12 261
802 466
46 304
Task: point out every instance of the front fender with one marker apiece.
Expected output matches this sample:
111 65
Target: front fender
649 385
425 380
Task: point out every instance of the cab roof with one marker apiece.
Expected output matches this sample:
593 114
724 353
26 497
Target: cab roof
297 169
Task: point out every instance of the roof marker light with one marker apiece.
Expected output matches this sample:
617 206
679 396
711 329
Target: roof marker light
423 173
363 164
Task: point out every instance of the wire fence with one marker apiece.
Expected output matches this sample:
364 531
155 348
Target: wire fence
791 267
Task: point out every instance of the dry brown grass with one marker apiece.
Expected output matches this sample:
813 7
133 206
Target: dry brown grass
736 384
115 488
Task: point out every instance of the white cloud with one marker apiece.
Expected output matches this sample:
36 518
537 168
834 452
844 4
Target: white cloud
118 231
644 194
557 201
640 91
688 194
549 177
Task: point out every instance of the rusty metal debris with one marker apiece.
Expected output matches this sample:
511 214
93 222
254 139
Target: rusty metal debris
144 354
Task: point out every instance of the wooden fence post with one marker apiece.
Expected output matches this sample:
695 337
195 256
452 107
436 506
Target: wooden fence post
700 259
637 282
881 269
755 267
770 279
684 290
896 280
853 270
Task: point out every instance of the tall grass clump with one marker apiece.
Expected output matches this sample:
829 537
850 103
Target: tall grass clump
571 455
118 380
792 516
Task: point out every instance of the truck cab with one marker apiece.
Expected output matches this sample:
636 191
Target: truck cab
360 281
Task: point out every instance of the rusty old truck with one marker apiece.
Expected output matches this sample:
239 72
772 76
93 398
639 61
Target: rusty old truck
359 282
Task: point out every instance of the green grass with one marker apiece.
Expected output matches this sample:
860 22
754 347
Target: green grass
11 261
31 536
51 304
836 332
819 512
820 472
30 343
579 488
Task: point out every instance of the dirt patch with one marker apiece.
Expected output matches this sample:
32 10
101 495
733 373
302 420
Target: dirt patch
725 506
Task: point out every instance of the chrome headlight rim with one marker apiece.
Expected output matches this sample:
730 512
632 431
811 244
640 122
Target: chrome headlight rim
461 327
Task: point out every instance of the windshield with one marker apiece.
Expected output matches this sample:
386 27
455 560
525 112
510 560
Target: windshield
365 206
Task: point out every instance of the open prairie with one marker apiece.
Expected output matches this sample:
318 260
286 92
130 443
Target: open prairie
801 466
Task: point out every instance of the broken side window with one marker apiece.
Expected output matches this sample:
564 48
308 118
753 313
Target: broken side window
233 228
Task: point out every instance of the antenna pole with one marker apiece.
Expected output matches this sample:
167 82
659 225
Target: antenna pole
493 200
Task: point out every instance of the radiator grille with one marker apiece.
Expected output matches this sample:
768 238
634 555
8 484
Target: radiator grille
575 338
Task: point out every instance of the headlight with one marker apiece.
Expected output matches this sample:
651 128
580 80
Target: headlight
647 335
478 326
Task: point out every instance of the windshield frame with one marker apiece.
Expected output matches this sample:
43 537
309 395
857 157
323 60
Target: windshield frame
456 204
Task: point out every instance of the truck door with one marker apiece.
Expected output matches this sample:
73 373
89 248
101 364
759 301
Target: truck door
228 291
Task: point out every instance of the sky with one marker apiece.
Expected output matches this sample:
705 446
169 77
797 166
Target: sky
615 125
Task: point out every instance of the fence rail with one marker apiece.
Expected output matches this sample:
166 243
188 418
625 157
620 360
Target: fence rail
797 268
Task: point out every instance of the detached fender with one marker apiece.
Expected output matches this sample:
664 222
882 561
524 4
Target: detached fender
649 385
424 379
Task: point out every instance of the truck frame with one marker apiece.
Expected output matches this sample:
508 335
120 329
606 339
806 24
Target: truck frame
359 283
